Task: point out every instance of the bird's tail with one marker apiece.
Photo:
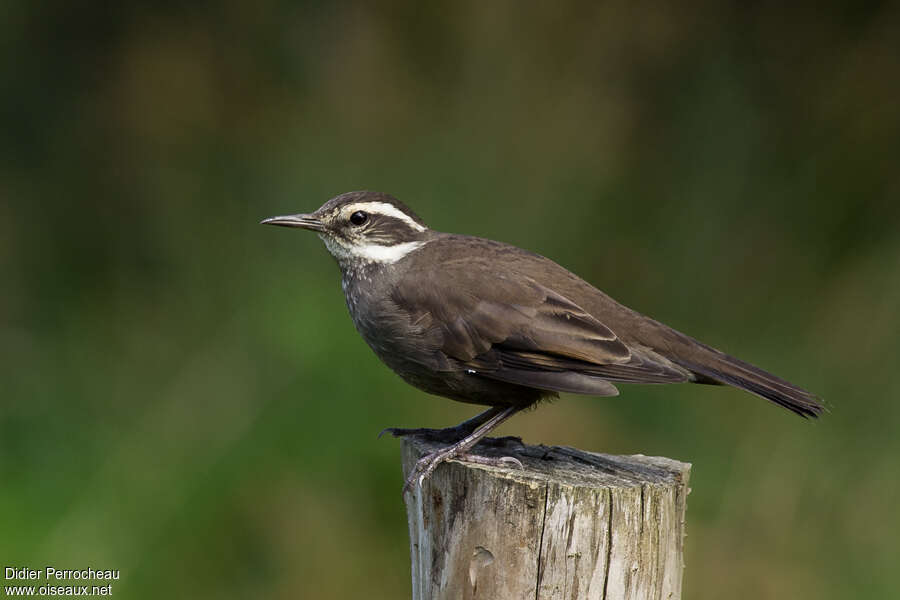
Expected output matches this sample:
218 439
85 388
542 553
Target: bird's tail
714 366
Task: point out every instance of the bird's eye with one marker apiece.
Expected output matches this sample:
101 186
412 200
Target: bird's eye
358 218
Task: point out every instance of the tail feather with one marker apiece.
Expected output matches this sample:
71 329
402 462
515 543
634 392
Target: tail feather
731 371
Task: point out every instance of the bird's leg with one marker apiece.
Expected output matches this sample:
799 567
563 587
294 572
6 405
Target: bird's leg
448 435
427 464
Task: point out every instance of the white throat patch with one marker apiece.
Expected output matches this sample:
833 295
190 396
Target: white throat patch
370 253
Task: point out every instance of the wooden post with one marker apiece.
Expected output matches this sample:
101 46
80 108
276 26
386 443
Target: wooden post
572 524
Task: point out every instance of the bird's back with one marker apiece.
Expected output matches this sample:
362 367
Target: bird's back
473 258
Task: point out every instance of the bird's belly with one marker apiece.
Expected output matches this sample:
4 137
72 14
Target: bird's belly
413 354
407 352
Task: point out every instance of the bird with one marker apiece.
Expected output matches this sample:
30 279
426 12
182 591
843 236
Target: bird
487 323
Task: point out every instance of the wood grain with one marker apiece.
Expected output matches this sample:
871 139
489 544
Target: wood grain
572 524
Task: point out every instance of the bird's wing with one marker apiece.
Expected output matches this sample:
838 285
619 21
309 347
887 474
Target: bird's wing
521 332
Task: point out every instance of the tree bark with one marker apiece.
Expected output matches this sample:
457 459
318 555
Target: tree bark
572 524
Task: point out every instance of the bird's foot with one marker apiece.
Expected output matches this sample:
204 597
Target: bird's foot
493 461
462 438
426 465
464 431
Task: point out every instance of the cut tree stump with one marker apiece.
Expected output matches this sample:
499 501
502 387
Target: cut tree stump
572 524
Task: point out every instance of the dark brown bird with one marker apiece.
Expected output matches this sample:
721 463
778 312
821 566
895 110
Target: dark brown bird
487 323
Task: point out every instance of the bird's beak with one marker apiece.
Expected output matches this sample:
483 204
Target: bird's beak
302 221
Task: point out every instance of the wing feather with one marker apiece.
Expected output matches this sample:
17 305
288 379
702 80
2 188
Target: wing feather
521 332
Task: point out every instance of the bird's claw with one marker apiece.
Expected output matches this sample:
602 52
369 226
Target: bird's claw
512 460
426 465
503 461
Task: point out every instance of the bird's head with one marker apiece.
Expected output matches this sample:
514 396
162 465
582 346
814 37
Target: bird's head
362 227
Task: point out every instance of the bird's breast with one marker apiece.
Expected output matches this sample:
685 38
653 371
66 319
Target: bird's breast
410 344
390 330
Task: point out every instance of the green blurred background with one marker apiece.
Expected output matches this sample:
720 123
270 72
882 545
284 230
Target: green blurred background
184 397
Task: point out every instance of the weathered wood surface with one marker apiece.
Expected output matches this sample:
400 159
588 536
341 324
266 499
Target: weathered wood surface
572 524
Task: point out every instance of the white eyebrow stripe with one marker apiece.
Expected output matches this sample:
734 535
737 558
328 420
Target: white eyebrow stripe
388 210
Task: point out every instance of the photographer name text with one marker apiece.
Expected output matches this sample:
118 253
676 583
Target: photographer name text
52 575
